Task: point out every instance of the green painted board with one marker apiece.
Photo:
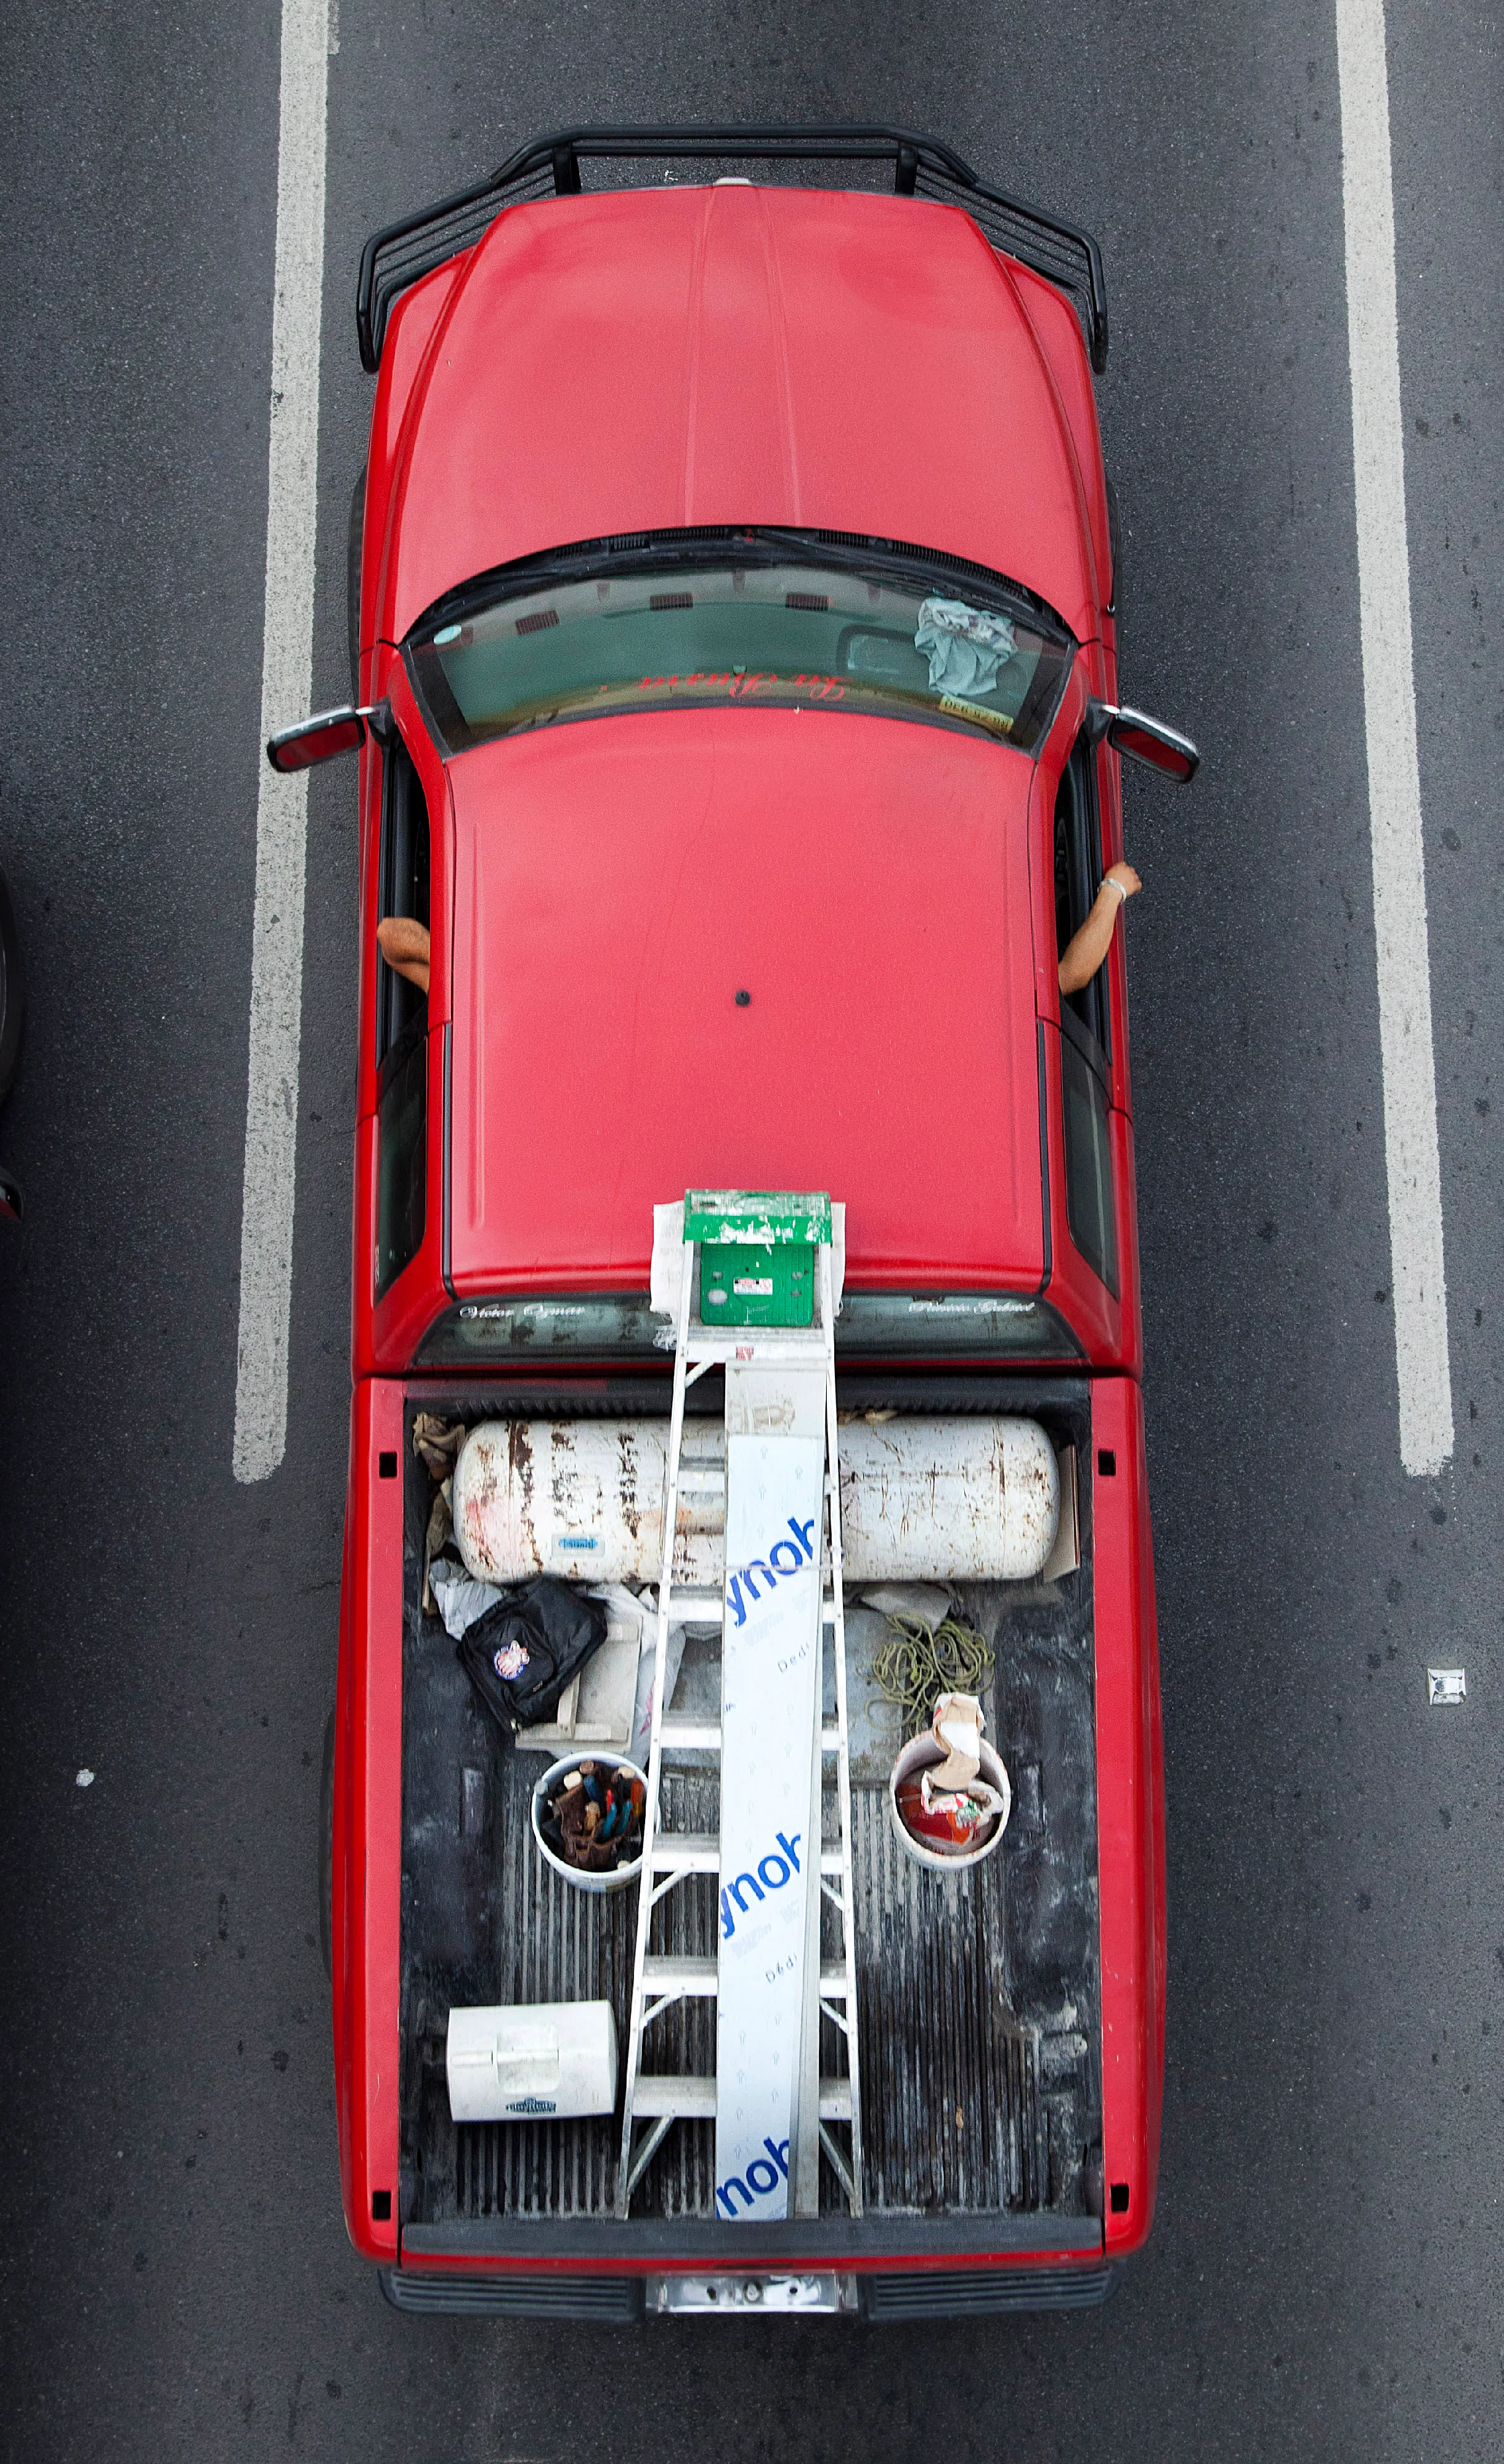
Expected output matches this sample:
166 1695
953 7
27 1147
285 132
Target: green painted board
763 1219
756 1254
754 1283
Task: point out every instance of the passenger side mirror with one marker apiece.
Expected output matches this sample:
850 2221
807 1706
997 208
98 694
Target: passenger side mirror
1145 739
317 739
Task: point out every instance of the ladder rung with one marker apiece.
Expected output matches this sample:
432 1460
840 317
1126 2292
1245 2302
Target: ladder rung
662 1975
686 1851
706 1734
745 1343
688 2099
679 1731
688 1606
693 2100
698 1852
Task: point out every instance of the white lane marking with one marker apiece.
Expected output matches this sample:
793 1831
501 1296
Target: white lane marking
1417 1268
281 821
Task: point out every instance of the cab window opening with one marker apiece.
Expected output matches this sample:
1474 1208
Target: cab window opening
1087 1162
403 889
402 1122
1078 877
402 1022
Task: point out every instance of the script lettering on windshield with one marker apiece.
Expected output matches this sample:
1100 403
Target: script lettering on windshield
744 628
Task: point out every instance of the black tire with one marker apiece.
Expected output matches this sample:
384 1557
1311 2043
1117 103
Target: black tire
327 1849
13 991
352 581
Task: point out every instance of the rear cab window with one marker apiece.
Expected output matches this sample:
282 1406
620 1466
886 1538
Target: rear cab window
870 1326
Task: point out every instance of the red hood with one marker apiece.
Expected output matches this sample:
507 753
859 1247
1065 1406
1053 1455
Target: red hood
652 359
618 881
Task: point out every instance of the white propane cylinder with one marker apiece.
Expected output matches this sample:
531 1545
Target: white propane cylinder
516 2062
581 1499
953 1498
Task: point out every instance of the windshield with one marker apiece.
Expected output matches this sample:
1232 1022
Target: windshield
747 620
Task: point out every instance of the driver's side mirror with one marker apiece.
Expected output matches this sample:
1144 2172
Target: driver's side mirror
1145 739
320 738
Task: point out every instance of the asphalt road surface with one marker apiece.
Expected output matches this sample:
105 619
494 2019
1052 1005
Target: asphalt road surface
1324 2276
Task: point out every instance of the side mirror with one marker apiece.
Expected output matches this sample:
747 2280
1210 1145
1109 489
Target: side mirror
1146 739
317 739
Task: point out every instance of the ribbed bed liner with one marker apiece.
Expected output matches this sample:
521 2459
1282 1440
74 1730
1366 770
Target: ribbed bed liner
977 1993
951 2115
950 2100
570 1946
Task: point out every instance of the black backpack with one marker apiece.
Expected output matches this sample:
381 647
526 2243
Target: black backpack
522 1653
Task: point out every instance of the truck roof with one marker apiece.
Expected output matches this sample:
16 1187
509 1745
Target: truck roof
619 881
652 359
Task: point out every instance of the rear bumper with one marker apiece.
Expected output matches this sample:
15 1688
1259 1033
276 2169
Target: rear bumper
881 2296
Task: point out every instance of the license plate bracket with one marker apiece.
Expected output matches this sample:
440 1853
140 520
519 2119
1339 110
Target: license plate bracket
741 2295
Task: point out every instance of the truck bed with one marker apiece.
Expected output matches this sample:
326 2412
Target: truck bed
978 1992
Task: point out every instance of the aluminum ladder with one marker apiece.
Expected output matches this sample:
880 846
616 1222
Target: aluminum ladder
654 2101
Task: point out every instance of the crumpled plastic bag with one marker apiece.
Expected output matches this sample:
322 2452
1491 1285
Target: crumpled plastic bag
967 645
457 1596
923 1604
438 1537
641 1740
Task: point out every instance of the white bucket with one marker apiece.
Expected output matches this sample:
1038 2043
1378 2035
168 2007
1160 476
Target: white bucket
575 1874
918 1755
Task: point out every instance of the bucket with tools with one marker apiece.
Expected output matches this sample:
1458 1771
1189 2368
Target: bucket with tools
587 1820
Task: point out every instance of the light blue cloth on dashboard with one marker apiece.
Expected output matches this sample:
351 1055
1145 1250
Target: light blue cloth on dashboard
967 645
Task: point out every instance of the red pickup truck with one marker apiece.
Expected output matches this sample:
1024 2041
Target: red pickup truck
733 596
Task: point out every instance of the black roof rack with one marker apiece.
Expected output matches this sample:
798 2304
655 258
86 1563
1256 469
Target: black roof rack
404 252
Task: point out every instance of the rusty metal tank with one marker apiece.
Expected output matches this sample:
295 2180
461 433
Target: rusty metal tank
952 1499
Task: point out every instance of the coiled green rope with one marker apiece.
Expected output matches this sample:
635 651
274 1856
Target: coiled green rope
922 1663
